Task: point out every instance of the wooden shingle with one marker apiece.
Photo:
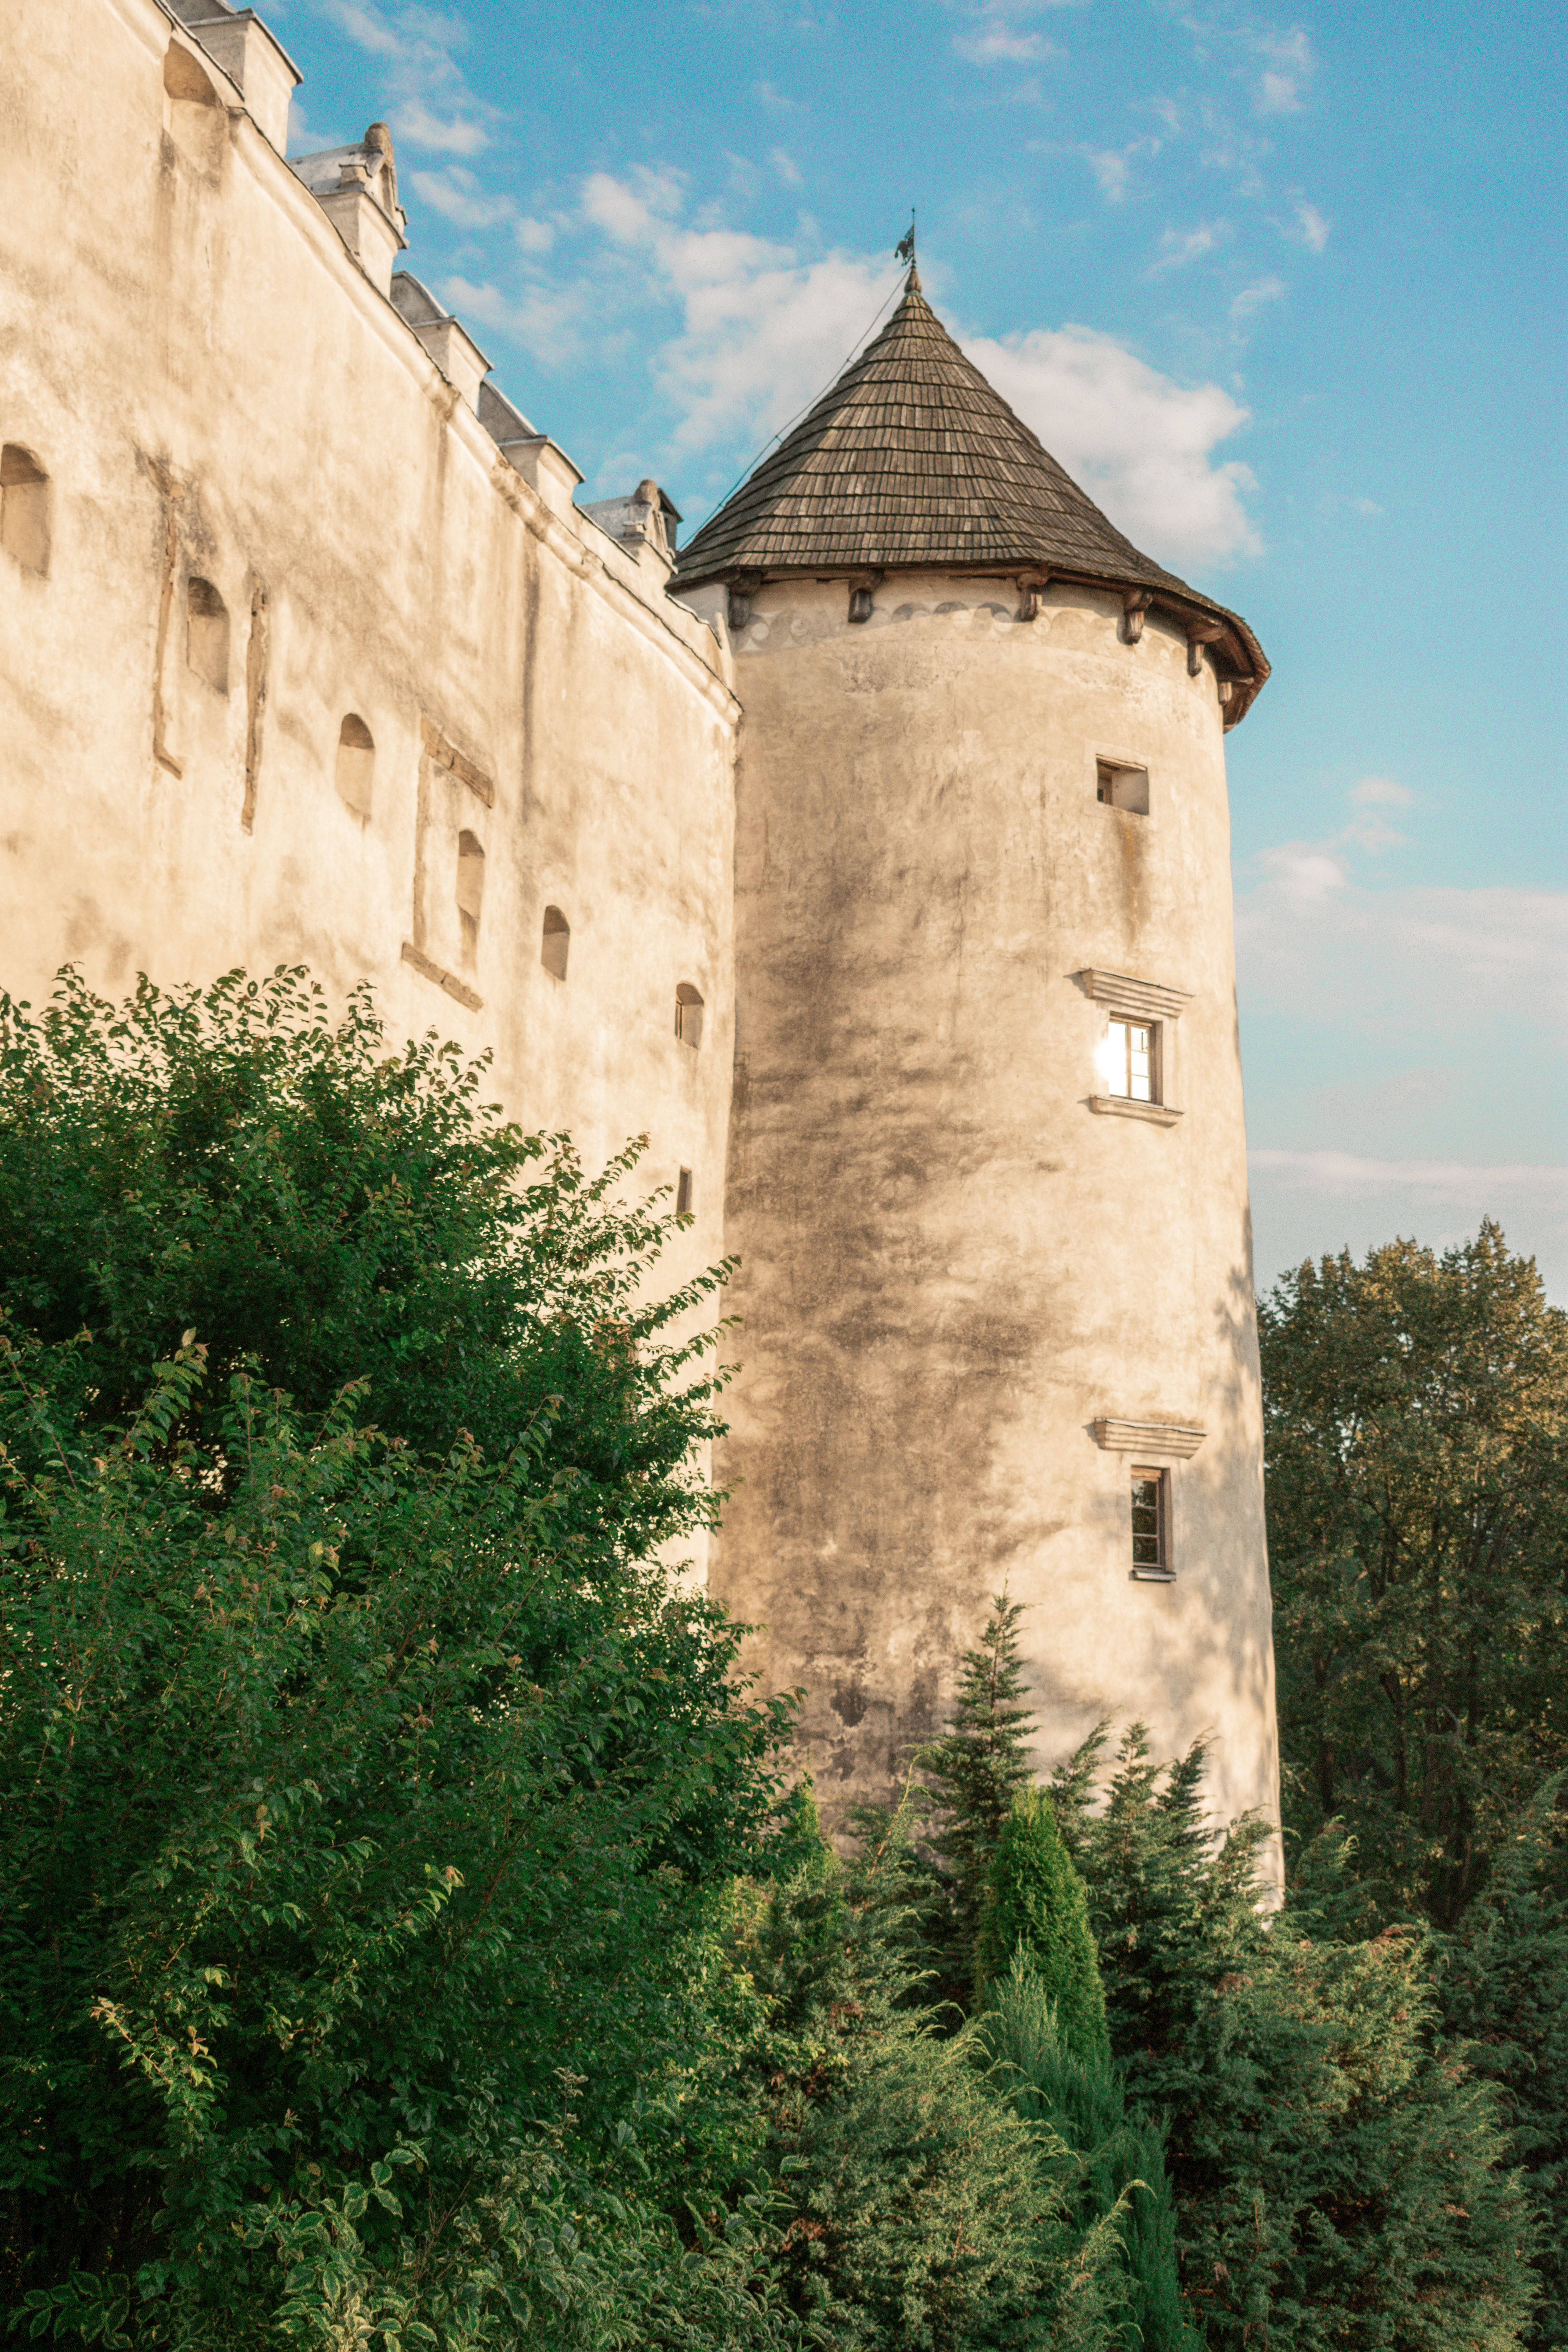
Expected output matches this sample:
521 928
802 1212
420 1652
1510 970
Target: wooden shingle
913 461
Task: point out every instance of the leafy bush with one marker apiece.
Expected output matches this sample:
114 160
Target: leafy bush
368 1795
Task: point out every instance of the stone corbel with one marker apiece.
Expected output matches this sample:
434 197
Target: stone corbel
1135 603
1199 634
1032 586
862 593
742 587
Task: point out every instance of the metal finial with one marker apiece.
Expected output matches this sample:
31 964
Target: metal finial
905 251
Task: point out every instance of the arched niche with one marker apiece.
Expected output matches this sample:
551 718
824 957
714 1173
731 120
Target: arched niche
688 1014
355 773
206 633
23 507
555 942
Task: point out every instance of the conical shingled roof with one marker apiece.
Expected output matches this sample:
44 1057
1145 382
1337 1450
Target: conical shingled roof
912 460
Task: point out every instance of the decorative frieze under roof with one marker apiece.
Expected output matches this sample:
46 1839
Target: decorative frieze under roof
912 461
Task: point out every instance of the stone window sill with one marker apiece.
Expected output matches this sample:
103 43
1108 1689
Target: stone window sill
1154 1575
1124 1107
458 990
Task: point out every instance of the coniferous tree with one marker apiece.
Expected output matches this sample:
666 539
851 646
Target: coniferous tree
1034 1904
1340 2177
1503 1984
917 2207
1117 2156
976 1767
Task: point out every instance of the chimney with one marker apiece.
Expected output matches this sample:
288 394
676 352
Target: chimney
356 187
449 342
260 69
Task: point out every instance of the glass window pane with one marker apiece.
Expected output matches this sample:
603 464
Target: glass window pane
1118 1058
1147 1530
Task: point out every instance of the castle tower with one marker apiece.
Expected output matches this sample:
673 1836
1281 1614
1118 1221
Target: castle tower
987 1180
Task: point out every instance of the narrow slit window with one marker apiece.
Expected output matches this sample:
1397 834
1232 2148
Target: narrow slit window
1151 1525
470 883
683 1193
23 507
356 764
1123 788
688 1014
1133 1060
556 942
206 633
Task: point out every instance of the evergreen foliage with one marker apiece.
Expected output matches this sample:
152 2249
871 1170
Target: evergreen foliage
404 1943
1119 2158
1340 2177
919 2208
1503 1985
1416 1433
1035 1904
976 1767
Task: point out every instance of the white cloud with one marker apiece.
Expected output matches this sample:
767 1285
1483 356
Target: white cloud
429 102
763 332
534 236
456 195
784 164
1112 170
1288 69
1310 1204
1307 934
998 32
1252 298
761 327
1140 442
1381 792
1178 247
1314 228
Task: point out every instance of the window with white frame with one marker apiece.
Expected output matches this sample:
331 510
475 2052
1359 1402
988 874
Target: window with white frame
1152 1560
1133 1060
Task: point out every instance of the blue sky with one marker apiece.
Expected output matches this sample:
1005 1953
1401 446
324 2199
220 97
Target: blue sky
1284 289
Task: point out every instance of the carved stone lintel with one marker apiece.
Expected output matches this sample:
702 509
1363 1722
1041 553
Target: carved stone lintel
1135 603
1180 1439
1199 634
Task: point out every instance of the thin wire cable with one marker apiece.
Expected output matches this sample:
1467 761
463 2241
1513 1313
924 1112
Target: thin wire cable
752 464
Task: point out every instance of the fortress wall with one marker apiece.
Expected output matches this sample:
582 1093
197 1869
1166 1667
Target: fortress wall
218 395
952 1266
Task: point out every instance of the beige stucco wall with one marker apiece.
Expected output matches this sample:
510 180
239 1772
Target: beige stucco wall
215 388
950 1266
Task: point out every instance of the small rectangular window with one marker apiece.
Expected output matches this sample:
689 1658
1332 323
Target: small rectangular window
683 1193
1134 1057
1123 788
1150 1526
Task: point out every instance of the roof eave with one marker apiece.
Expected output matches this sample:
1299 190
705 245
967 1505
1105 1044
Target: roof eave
1239 661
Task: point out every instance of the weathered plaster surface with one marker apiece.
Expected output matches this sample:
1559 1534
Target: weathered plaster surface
218 391
950 1266
953 1265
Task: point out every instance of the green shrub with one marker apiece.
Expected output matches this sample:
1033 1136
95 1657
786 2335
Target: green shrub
1119 2158
922 2212
1340 2176
1034 1904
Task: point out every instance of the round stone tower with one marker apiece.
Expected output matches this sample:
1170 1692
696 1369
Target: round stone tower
987 1180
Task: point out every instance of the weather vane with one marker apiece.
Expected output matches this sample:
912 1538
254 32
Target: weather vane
905 248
